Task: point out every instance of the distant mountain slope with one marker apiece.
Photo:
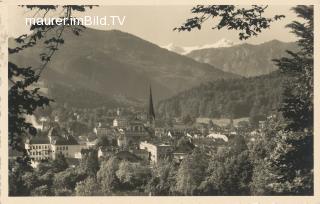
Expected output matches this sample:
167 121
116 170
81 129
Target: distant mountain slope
224 98
111 63
244 59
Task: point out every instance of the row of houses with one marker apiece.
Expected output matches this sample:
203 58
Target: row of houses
151 153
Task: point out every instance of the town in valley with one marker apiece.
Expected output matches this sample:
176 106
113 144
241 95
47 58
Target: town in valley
152 109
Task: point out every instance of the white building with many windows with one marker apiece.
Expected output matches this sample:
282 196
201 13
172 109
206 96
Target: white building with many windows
47 145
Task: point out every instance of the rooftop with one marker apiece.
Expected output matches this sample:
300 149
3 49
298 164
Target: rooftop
39 140
69 140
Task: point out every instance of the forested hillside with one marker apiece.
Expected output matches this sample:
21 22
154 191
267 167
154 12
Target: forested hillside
227 98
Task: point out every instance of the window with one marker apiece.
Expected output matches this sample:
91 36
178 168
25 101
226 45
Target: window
66 147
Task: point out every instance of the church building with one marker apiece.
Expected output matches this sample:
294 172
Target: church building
132 132
151 117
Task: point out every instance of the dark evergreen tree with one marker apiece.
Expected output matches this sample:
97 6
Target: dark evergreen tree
287 165
90 162
191 173
293 156
297 105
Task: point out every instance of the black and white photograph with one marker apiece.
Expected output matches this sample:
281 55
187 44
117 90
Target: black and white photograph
160 100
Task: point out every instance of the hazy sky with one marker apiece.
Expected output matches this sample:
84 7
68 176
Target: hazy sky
155 24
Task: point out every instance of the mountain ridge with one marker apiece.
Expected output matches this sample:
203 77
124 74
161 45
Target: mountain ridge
245 59
113 62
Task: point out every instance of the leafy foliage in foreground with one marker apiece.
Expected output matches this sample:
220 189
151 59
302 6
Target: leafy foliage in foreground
249 21
24 96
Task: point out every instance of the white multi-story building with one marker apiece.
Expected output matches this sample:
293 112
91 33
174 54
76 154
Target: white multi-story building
48 145
156 151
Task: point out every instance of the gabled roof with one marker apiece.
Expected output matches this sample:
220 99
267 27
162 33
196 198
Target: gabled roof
39 140
65 141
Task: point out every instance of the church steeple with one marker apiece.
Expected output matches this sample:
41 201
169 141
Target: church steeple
151 114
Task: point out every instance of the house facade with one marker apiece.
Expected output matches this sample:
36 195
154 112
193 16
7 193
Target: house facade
50 144
156 151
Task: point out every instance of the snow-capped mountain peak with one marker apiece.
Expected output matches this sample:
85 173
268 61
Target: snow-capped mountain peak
187 49
174 48
221 43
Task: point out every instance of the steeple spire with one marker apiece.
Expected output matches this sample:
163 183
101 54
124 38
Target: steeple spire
151 114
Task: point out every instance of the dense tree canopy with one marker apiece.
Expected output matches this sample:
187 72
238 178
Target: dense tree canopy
297 106
287 165
246 97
